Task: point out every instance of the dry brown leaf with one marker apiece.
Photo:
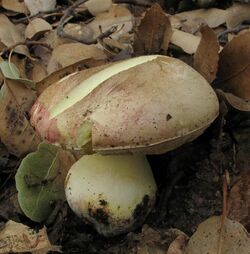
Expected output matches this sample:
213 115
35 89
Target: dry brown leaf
153 33
10 35
36 27
205 239
14 5
212 17
70 53
38 71
234 101
98 6
236 14
15 130
61 73
239 200
118 15
36 6
234 66
207 55
18 238
186 41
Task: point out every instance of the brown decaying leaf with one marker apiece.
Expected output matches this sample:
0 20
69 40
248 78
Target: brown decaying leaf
36 27
234 66
10 35
15 130
40 5
239 200
153 33
14 5
19 238
205 239
57 75
70 53
234 101
207 55
236 14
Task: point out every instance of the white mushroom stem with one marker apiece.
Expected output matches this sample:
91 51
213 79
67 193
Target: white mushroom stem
115 193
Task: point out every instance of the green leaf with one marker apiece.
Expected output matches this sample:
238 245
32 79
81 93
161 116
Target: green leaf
10 71
40 180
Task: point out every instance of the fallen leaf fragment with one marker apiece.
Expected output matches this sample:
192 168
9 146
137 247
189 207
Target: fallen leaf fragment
36 6
98 6
36 27
40 180
71 53
19 238
234 101
15 130
186 41
11 35
234 66
207 55
205 239
153 33
239 200
236 14
14 5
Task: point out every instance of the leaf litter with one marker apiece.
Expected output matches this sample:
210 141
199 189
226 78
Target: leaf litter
201 37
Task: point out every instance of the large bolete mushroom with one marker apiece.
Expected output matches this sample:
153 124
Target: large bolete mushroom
148 105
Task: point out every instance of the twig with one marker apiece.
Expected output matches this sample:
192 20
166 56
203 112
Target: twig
37 15
67 14
236 29
134 2
7 49
224 211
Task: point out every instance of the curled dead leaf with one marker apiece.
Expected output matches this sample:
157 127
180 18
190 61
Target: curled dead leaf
153 33
11 35
234 66
234 101
14 5
207 55
37 27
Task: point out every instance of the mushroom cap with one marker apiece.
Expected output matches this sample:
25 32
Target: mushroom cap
148 104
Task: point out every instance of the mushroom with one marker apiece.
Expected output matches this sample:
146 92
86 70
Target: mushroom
144 105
